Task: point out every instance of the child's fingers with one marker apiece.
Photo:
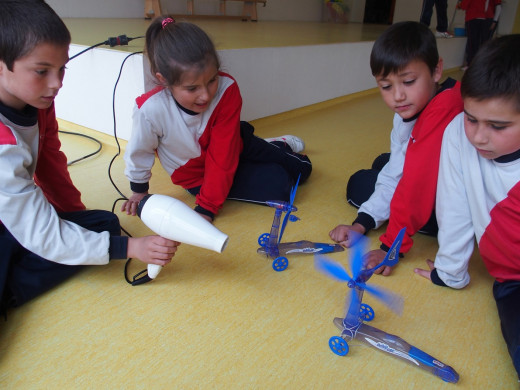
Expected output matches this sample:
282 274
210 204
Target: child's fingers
386 271
130 207
165 248
345 243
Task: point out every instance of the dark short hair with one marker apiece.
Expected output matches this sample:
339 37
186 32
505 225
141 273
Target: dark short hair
494 71
25 24
401 44
177 47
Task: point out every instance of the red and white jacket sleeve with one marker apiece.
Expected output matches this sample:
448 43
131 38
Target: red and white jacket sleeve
223 150
24 209
51 174
456 231
414 198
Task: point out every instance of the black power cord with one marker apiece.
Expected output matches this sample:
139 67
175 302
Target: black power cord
137 279
100 145
120 40
123 197
117 41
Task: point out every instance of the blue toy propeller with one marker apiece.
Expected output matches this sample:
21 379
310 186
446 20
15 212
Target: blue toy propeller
290 209
353 325
270 243
392 256
360 276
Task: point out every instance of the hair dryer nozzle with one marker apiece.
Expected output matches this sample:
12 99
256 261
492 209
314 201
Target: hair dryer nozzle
170 218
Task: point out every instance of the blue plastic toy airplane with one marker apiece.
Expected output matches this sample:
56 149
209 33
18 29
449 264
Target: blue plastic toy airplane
270 244
353 326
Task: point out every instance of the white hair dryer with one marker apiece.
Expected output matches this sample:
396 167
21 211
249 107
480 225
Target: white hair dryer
170 218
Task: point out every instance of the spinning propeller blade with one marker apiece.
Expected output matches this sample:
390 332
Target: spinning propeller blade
356 254
288 213
393 301
293 190
336 271
331 268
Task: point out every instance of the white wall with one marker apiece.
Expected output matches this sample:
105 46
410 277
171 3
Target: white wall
260 72
302 10
88 86
268 81
98 8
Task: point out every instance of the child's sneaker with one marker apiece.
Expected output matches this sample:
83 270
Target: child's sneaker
443 34
296 144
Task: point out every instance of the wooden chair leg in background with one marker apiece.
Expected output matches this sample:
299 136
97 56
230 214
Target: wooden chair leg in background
152 9
189 6
249 11
222 8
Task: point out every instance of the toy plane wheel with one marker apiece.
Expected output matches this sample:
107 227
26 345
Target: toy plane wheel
263 239
280 263
366 312
338 345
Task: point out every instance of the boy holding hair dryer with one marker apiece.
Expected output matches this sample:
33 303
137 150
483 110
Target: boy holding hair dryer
46 234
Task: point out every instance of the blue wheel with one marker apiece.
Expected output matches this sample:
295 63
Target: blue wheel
280 264
366 312
338 345
263 239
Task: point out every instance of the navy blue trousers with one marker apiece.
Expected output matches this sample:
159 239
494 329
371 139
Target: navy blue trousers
266 170
25 275
361 185
478 32
441 7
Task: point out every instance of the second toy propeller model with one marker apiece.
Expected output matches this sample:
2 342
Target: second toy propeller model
353 326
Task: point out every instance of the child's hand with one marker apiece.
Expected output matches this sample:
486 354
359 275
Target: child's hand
345 235
130 205
425 273
152 249
375 257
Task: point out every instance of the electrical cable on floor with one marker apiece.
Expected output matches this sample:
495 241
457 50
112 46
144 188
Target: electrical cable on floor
115 125
123 197
100 145
120 40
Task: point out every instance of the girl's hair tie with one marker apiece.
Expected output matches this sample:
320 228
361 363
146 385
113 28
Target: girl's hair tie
166 22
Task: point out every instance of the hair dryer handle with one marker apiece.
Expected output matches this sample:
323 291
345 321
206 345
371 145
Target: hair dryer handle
153 270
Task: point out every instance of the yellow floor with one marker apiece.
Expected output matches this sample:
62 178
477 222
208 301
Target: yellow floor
229 34
228 321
